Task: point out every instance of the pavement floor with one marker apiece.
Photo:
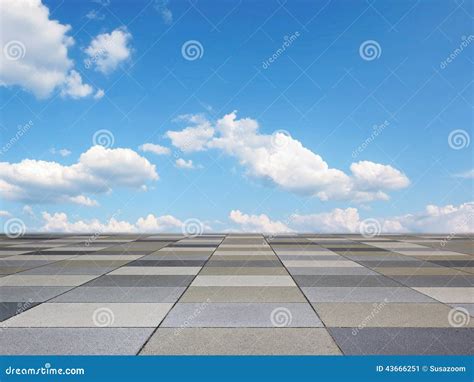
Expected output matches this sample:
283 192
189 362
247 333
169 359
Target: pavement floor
236 294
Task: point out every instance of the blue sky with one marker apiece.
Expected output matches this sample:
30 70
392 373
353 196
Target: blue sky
321 91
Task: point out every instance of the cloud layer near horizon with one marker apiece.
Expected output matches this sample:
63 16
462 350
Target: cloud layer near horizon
433 219
97 171
285 162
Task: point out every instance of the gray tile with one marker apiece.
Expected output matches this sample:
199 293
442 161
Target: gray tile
68 270
469 308
344 281
10 309
241 315
34 294
331 271
364 294
70 341
45 280
243 294
88 315
241 341
436 281
404 341
121 294
141 281
166 263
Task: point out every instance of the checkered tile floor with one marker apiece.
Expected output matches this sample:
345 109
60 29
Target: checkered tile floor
236 294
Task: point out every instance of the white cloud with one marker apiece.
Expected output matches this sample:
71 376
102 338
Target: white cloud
466 175
369 175
448 218
84 201
285 162
35 51
95 15
99 94
434 219
152 223
336 221
59 222
62 152
155 149
5 214
182 163
162 8
27 210
192 138
257 223
97 171
107 50
74 88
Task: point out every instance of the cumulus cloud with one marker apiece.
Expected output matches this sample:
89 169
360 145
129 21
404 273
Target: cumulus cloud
5 214
59 222
183 163
28 210
448 218
434 219
155 149
161 7
35 51
98 170
74 88
285 162
335 221
192 138
93 14
466 174
257 223
107 50
99 94
61 152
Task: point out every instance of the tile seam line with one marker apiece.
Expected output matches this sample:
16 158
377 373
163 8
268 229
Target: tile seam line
182 294
407 286
53 262
86 282
306 298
